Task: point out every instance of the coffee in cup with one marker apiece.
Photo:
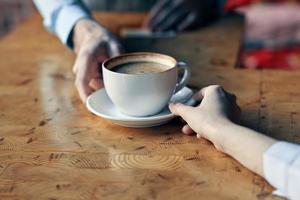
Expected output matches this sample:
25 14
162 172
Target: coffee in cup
140 68
141 84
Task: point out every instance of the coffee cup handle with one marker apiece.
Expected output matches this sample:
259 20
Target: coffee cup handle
186 76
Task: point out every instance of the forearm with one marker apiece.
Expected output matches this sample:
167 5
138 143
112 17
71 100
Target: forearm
85 29
245 145
279 163
60 16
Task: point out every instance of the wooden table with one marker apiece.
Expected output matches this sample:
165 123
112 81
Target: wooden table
51 147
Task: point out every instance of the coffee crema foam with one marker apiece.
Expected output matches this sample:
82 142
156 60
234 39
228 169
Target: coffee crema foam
140 68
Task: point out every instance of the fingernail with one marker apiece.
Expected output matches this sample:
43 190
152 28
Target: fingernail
198 136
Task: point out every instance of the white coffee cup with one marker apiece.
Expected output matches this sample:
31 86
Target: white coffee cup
144 94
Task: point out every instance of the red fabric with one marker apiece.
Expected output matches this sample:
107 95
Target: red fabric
233 4
272 59
284 58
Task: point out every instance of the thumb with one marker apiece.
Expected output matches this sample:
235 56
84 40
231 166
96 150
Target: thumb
181 110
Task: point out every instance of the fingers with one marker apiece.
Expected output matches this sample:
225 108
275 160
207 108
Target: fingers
94 50
158 7
74 69
198 96
213 93
82 82
181 110
83 89
208 90
187 22
171 21
186 129
168 18
86 68
82 85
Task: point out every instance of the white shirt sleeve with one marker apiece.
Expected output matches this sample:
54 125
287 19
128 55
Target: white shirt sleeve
282 168
60 16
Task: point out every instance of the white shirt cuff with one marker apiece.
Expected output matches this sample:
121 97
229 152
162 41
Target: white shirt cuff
66 19
276 163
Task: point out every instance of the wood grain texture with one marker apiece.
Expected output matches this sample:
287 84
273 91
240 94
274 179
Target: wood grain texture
51 147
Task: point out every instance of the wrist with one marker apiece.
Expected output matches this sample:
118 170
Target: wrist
219 124
85 29
217 132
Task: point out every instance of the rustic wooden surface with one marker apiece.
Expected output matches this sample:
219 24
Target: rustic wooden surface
51 147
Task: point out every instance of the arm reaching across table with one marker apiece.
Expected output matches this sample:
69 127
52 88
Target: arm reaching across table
74 26
213 119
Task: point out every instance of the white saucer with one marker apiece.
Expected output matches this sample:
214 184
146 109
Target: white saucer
100 104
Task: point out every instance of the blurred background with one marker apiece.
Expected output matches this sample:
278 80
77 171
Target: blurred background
272 28
12 12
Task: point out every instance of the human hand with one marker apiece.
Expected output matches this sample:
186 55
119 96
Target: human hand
93 44
178 15
217 108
